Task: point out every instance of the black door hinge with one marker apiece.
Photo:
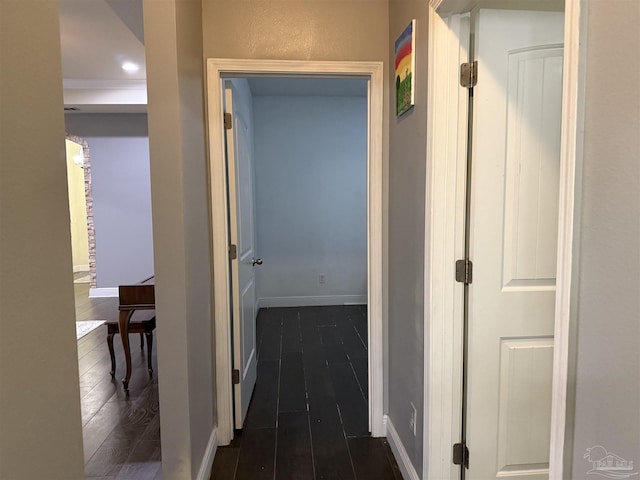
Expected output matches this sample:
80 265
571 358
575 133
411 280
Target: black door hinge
461 454
235 376
464 271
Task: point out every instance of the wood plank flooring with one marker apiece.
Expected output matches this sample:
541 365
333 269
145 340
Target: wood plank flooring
308 414
93 308
121 434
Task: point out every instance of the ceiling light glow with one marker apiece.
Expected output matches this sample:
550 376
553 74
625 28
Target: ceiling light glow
130 67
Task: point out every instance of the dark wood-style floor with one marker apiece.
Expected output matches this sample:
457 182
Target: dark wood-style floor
308 413
121 434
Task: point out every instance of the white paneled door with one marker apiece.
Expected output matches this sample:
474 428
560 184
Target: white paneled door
238 103
513 235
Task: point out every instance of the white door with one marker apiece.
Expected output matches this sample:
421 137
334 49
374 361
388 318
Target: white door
513 235
241 227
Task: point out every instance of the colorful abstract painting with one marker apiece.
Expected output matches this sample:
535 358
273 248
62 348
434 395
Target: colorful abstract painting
405 66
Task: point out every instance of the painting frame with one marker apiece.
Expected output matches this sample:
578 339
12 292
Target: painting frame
405 66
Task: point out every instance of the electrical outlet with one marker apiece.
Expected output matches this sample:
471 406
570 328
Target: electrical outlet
323 279
413 418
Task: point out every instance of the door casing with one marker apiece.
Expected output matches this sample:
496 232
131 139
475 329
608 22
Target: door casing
446 174
217 69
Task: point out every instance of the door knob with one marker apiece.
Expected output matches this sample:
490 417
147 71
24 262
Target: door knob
256 261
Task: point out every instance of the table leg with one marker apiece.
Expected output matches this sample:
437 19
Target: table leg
149 336
123 324
112 353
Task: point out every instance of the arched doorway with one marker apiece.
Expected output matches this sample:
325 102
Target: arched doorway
81 206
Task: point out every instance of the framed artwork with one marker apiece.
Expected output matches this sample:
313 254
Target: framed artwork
405 65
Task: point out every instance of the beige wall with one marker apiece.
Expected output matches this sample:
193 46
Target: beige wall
407 183
40 428
296 30
607 391
77 208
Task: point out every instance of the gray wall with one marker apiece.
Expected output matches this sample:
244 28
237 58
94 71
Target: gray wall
119 152
40 421
181 228
407 180
607 410
311 197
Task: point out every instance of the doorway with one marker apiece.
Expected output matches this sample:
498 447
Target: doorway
454 321
296 157
81 205
89 312
219 69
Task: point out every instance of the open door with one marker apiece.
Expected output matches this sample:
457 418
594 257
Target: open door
239 139
513 232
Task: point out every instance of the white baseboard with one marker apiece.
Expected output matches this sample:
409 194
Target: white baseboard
80 268
312 301
103 292
400 453
207 460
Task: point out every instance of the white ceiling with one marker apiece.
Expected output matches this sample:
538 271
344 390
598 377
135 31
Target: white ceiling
98 36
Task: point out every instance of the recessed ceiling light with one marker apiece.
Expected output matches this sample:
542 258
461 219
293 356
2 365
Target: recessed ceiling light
130 67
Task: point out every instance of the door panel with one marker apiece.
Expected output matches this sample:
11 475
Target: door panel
513 235
523 421
534 98
238 102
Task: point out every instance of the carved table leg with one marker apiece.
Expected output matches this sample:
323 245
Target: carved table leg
123 324
111 353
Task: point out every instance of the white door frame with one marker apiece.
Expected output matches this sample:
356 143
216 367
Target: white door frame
446 150
216 70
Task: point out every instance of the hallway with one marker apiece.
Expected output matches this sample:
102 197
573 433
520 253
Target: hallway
121 434
308 414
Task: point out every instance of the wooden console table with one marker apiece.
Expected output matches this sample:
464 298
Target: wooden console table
140 296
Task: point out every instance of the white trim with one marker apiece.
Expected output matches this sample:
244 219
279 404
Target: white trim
311 301
80 268
447 117
218 68
93 84
441 400
204 473
103 292
574 74
400 453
